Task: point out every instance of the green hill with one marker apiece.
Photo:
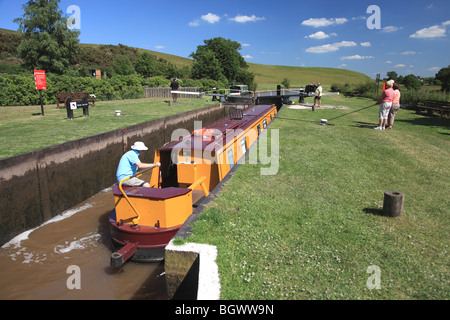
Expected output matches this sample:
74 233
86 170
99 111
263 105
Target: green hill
266 76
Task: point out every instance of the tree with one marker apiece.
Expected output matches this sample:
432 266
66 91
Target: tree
219 59
123 66
444 77
206 65
47 44
146 65
412 82
392 75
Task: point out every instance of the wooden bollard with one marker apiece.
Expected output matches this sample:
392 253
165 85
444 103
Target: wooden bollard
393 204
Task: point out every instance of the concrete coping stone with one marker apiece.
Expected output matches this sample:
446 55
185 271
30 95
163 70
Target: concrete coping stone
208 281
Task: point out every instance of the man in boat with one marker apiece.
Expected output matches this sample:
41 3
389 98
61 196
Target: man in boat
130 163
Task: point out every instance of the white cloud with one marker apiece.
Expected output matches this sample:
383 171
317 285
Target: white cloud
323 22
366 44
357 57
243 19
346 44
388 61
431 32
401 65
389 29
408 52
340 20
210 18
331 47
247 56
159 47
194 23
245 44
434 69
323 49
318 35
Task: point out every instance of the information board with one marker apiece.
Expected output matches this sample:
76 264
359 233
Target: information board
40 80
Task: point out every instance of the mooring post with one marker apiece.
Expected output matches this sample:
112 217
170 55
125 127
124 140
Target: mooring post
393 203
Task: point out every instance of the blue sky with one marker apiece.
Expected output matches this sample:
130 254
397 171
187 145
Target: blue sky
411 36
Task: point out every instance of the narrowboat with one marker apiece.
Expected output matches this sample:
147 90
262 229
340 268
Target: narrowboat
145 219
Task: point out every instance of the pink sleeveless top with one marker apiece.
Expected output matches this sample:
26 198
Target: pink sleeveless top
396 99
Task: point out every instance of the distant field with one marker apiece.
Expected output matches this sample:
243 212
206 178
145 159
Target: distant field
267 76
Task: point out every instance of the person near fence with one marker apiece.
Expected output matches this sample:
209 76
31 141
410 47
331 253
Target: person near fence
174 86
318 96
395 105
130 163
214 98
385 103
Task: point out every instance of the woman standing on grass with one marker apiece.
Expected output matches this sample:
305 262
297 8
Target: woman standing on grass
395 105
385 104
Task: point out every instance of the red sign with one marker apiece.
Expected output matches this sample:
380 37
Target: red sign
40 80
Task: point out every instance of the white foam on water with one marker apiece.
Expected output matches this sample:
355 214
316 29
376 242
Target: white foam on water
80 244
16 241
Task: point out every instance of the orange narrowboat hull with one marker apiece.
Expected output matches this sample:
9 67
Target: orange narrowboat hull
146 219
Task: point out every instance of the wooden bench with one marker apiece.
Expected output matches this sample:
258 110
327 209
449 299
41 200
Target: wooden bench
430 106
61 97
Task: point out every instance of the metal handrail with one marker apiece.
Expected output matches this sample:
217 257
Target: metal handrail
200 181
135 220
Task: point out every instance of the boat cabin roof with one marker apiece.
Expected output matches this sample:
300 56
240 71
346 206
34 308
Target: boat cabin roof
151 193
219 128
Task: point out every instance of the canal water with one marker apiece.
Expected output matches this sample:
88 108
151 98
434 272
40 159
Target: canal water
68 258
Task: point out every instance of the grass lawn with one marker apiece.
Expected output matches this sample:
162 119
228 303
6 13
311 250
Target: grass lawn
24 129
312 230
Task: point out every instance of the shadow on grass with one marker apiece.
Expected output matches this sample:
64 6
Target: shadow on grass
431 121
374 211
366 125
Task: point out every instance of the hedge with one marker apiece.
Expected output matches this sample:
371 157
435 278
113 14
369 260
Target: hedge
20 90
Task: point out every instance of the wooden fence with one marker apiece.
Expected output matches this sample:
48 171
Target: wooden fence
165 92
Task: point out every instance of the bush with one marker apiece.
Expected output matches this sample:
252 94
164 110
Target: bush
20 90
158 81
366 88
340 88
